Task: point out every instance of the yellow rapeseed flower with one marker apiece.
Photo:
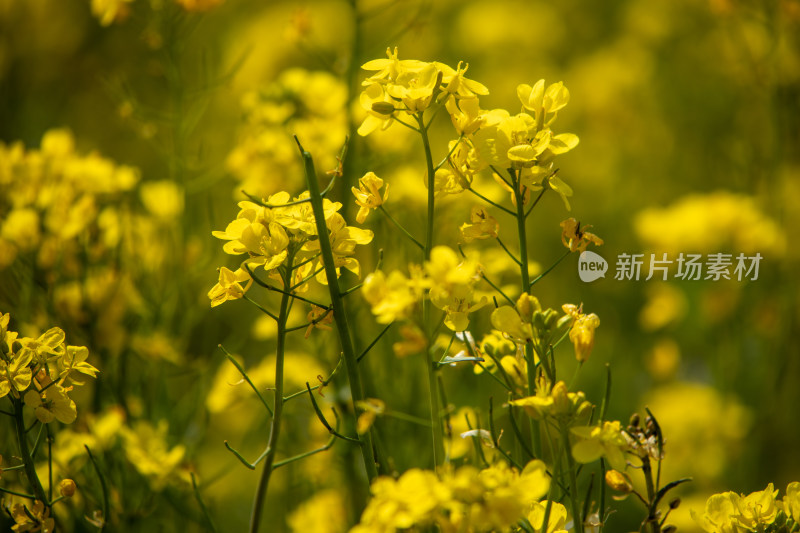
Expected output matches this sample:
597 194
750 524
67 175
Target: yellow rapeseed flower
147 450
557 521
368 195
481 225
34 520
595 442
576 238
52 404
229 286
582 331
452 283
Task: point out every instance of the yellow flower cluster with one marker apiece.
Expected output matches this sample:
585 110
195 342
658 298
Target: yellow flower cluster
42 371
324 512
730 512
706 429
402 90
277 233
525 321
605 440
52 196
449 280
147 450
412 84
556 402
709 223
309 104
525 141
464 500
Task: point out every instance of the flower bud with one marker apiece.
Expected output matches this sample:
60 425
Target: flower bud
674 504
67 488
526 306
550 318
563 321
618 481
669 529
561 403
538 322
383 108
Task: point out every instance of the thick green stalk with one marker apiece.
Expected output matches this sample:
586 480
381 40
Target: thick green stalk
433 390
275 425
339 312
25 453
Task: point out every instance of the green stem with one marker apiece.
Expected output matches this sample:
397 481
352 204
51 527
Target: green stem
400 227
573 481
602 489
15 493
552 494
408 418
275 424
647 471
505 248
339 311
523 237
103 486
488 201
433 391
431 192
25 454
209 522
525 276
546 272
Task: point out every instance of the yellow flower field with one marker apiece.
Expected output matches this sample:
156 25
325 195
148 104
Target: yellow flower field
399 266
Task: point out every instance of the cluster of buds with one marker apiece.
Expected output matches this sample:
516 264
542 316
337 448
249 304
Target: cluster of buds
645 441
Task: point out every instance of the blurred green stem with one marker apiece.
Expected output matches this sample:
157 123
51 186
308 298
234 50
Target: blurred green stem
573 479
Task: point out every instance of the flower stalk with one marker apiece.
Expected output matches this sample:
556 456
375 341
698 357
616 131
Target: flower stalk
25 453
519 200
433 390
337 304
277 412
